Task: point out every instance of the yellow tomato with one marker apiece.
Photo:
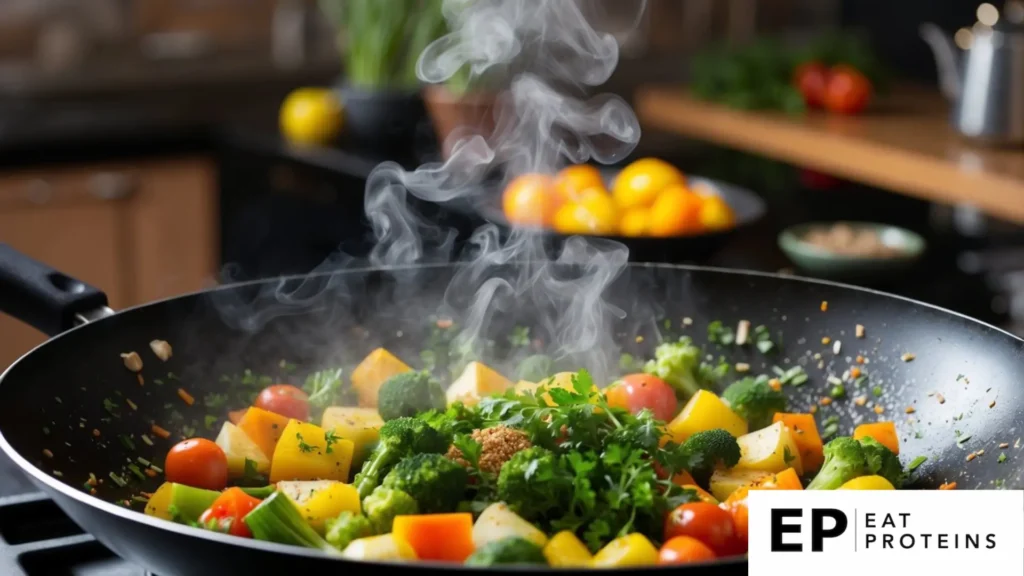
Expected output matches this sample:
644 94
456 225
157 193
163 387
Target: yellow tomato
640 183
676 211
572 181
868 483
634 222
716 214
529 200
594 214
310 116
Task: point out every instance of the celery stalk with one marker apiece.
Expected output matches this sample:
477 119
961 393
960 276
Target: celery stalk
276 519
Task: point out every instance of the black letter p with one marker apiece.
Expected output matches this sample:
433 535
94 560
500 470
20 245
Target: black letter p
818 532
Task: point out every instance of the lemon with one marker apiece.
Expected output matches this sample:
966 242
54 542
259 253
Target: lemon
311 116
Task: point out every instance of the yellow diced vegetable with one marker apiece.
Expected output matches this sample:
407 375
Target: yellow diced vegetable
524 386
565 550
302 491
330 502
238 447
360 425
477 381
377 367
725 482
302 454
770 449
868 483
498 522
626 551
705 411
383 547
263 427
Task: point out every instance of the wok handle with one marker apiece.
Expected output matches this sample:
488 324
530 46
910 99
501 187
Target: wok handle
43 297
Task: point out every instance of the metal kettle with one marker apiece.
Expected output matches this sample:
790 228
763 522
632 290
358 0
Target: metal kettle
985 84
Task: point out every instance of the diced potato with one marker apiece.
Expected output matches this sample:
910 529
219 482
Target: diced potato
377 367
497 522
725 482
805 434
238 447
565 550
383 547
770 449
705 411
302 491
360 425
302 454
263 428
328 503
477 380
626 551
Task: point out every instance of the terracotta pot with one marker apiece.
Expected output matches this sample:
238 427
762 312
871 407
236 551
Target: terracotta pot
473 112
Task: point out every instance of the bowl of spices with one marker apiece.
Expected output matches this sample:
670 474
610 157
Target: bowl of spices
851 250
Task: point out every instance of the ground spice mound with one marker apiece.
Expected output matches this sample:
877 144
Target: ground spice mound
497 446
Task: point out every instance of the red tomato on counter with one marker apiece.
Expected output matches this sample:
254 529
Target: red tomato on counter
811 79
636 392
848 91
286 400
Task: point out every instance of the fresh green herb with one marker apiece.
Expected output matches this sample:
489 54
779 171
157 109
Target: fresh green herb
286 366
861 380
250 474
303 446
962 440
111 407
324 387
156 469
520 337
143 461
209 420
158 381
719 333
918 435
628 363
763 339
838 391
330 437
215 401
830 431
172 376
877 391
189 430
916 462
1002 457
137 472
126 441
118 480
787 456
1000 484
139 499
146 440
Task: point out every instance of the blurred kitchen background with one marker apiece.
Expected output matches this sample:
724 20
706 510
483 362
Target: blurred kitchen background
142 147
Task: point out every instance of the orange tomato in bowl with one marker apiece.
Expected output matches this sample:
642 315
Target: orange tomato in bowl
595 213
676 211
572 181
639 183
529 200
633 222
716 214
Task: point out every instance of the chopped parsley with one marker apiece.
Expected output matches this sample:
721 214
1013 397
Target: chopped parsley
877 391
916 462
1002 457
520 337
126 441
763 339
303 446
250 474
719 333
323 387
330 438
209 420
214 401
118 480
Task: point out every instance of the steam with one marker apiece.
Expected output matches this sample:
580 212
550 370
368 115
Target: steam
551 55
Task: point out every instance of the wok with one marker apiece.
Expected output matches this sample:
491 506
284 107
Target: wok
56 395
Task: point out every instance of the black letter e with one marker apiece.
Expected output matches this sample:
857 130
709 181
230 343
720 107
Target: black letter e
779 528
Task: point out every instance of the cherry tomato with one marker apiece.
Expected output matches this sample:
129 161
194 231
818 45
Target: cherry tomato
817 180
286 400
811 79
636 392
705 522
227 512
740 519
684 550
848 91
197 462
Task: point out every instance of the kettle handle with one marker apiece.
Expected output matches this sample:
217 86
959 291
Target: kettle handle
946 58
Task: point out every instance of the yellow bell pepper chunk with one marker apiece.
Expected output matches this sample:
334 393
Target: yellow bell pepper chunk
329 503
477 380
238 448
868 483
626 551
705 411
377 367
565 550
302 454
360 425
383 547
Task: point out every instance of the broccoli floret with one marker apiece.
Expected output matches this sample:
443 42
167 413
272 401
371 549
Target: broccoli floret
436 483
383 504
456 419
341 531
533 482
844 461
409 393
535 368
755 400
398 439
513 550
678 364
705 451
882 462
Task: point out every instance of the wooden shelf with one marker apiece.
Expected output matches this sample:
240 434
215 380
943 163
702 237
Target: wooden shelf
905 145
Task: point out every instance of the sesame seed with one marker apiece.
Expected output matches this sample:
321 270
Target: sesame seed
879 409
910 410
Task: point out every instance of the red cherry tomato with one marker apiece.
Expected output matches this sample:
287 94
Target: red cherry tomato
286 400
639 391
684 550
848 91
705 522
227 512
740 519
817 180
197 462
811 79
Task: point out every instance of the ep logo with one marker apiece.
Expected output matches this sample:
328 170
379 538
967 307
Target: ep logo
823 523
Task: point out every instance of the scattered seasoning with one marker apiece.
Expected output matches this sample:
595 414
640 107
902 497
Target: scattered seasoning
131 404
836 347
824 306
971 456
776 384
126 441
639 339
742 367
907 357
110 406
825 340
58 473
855 372
860 359
860 400
186 397
825 401
687 321
859 331
878 409
813 409
916 462
146 440
140 379
132 361
1004 445
948 486
940 398
993 404
160 432
980 452
96 432
834 381
57 398
46 431
150 472
877 391
1002 458
910 410
118 480
742 332
47 453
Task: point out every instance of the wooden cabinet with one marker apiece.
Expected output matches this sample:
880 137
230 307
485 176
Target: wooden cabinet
138 231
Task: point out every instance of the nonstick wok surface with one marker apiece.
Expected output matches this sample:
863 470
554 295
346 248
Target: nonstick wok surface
57 398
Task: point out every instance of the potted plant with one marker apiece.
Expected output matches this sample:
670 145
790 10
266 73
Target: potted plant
380 42
462 105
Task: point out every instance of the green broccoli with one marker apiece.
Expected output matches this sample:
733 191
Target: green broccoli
883 462
409 393
398 439
844 461
678 364
755 400
456 419
436 483
341 531
705 451
512 550
535 368
383 504
534 482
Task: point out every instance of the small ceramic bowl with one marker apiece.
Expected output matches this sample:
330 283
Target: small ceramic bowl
820 262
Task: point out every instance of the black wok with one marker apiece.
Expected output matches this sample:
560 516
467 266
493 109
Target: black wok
53 398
